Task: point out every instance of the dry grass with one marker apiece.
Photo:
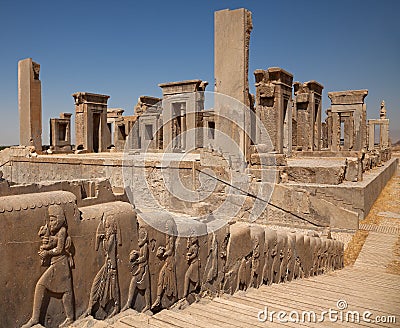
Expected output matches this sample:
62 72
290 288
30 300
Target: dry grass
354 247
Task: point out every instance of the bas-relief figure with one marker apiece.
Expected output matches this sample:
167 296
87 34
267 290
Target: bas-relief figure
192 275
271 249
211 267
105 293
56 253
255 263
283 256
291 246
214 272
167 278
275 258
244 273
140 272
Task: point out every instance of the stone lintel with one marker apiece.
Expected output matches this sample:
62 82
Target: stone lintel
149 100
208 113
277 74
114 112
187 86
65 116
348 97
378 121
90 98
308 87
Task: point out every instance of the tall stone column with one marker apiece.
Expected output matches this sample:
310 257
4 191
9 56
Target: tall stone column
231 65
29 104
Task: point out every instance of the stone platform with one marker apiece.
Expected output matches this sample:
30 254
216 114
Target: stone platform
365 287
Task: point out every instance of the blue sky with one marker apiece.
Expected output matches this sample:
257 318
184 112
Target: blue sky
126 48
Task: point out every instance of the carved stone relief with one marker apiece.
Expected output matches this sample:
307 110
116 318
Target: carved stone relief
140 281
105 293
56 251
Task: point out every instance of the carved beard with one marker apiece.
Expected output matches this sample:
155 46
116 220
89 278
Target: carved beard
56 227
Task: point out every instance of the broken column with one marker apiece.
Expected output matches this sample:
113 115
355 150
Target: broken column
182 106
308 107
60 133
349 120
92 134
29 104
231 64
274 106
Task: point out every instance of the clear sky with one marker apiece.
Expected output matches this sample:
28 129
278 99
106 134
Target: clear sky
126 48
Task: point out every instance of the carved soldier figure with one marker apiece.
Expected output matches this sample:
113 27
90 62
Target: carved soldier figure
255 263
105 287
244 273
211 268
167 277
271 258
192 274
55 249
140 271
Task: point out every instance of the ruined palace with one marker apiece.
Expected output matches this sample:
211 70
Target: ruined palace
196 193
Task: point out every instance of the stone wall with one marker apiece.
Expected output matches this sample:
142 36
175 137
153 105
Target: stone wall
110 249
354 199
358 197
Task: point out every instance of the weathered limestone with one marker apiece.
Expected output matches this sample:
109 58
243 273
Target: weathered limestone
383 123
347 120
91 131
307 114
108 256
60 133
56 252
231 43
119 127
114 115
145 102
209 129
231 64
29 104
150 129
274 107
181 106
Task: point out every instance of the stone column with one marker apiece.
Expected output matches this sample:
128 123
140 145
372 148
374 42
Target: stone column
335 131
30 104
231 63
371 135
273 99
385 134
308 99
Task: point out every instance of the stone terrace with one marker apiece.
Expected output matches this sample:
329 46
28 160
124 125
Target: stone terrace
365 286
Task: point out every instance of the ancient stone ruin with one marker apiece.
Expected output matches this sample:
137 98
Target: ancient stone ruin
182 199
